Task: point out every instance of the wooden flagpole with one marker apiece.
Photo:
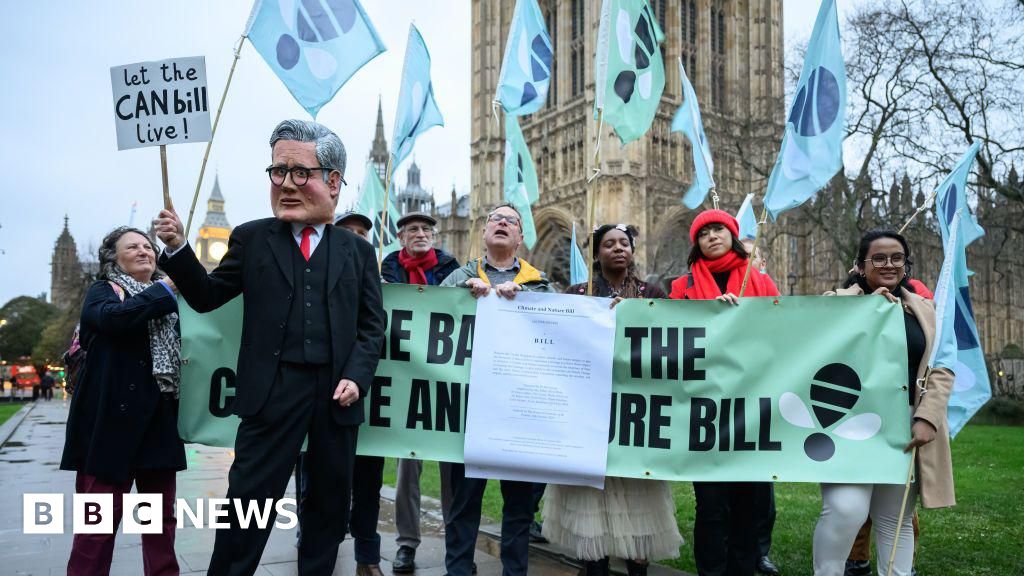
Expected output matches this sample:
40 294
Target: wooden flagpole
384 218
920 209
163 174
213 129
592 201
903 505
750 257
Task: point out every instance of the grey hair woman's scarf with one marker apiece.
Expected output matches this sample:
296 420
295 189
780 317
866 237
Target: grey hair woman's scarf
164 342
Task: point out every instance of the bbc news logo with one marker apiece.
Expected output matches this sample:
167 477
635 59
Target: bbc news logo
143 513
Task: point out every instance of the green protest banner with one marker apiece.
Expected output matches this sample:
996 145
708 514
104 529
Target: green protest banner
209 357
798 389
417 406
795 389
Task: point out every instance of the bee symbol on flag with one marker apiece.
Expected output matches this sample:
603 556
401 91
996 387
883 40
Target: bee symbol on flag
315 21
641 38
834 393
537 59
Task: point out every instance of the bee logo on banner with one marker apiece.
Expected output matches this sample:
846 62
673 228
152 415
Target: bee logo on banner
834 393
160 103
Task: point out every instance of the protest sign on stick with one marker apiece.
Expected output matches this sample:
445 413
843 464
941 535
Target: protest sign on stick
160 103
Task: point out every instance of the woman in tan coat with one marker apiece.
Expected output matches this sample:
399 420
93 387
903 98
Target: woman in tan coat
882 266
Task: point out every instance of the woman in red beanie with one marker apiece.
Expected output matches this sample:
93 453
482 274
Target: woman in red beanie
718 262
725 532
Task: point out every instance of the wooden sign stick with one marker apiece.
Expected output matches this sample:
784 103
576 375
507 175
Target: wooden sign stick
163 173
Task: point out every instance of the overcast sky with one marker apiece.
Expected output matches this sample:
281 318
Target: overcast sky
60 148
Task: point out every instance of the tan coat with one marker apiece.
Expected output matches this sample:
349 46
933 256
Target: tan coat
934 462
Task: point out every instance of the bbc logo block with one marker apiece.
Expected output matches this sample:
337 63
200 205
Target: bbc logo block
43 514
92 514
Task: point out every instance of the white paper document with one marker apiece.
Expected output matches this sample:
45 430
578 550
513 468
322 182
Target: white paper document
540 389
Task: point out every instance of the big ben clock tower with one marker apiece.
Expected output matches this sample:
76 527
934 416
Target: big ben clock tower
212 243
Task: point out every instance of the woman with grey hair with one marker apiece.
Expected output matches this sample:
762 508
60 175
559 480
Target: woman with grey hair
122 425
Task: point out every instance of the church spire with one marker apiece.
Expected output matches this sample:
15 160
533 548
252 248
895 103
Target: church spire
379 150
65 270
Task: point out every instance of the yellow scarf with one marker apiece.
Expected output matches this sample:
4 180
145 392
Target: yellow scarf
526 273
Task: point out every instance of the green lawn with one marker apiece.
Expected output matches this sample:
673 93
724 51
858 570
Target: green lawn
982 535
7 410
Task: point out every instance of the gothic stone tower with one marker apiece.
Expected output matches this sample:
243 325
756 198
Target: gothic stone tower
733 53
65 271
414 198
212 241
379 151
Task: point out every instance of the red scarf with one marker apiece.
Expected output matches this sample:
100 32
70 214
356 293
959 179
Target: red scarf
416 267
704 285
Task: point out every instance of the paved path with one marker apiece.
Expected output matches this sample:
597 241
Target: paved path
29 463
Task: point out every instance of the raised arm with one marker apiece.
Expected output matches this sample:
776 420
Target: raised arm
104 311
203 291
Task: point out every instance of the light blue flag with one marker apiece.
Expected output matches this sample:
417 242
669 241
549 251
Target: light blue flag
519 167
371 205
957 345
520 185
812 146
417 109
579 272
944 351
526 68
517 196
314 46
952 196
748 221
687 121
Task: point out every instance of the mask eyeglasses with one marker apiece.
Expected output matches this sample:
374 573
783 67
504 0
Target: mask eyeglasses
300 174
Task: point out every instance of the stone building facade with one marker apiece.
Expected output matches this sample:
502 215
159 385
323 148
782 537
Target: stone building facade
453 221
733 52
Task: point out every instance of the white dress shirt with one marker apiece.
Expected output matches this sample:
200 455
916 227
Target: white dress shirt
314 238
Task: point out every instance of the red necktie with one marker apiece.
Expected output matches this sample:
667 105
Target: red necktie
304 245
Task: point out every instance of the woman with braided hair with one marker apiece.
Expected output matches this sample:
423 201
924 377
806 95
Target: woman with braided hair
631 518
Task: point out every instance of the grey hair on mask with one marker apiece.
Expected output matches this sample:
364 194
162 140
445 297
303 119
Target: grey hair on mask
330 152
108 252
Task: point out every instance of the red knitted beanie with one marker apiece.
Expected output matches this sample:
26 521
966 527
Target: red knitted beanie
712 217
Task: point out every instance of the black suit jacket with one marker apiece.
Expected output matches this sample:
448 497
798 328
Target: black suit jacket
258 264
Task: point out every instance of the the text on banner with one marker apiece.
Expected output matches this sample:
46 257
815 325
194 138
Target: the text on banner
799 389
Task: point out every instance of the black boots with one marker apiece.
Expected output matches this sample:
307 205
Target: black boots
600 568
594 568
635 568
